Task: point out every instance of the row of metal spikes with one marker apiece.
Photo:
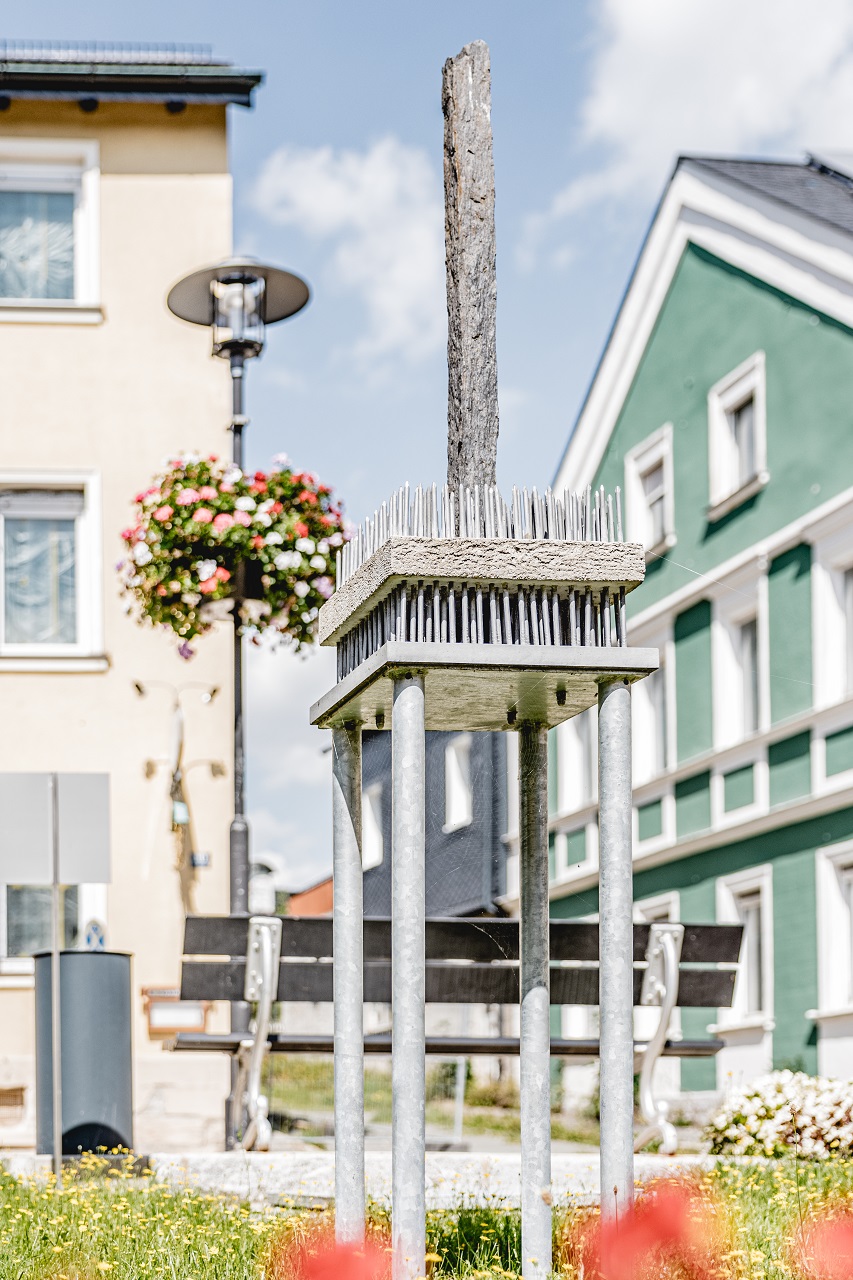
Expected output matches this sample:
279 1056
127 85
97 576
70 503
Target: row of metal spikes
435 613
474 512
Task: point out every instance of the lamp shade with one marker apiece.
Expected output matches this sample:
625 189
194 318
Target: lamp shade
236 298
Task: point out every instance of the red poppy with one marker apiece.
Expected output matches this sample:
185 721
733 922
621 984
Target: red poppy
826 1249
319 1258
671 1220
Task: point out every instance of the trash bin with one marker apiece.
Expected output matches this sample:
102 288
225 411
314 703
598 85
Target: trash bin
95 1013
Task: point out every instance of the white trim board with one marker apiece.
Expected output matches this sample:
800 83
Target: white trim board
804 258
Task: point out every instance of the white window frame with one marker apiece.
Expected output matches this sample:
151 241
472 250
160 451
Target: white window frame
729 890
727 491
458 808
372 829
832 560
88 571
736 602
834 923
59 164
646 746
655 450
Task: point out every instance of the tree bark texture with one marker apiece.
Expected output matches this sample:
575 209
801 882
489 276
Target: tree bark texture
469 233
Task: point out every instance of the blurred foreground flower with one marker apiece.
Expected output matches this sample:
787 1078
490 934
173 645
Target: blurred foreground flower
671 1223
314 1255
823 1249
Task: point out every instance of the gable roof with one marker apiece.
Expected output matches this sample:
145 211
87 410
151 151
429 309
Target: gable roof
788 223
813 188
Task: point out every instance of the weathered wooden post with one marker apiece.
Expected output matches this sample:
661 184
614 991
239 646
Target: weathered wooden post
469 236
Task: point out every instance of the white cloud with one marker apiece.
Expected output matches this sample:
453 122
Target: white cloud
382 209
716 76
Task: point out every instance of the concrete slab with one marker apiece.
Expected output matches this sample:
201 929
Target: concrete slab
482 686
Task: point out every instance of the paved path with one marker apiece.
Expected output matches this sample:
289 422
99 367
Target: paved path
307 1177
452 1177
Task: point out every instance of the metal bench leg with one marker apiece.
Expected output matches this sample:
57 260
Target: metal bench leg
660 987
348 952
262 961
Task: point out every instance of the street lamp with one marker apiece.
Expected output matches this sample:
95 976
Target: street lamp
236 299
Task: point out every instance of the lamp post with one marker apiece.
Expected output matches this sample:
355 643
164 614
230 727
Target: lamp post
237 299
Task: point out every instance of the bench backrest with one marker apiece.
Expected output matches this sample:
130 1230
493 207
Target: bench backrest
468 961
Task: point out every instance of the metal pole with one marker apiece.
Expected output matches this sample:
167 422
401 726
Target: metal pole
535 1048
408 898
616 948
55 1005
348 951
238 839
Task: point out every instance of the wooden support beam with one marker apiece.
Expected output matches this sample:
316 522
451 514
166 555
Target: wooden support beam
469 231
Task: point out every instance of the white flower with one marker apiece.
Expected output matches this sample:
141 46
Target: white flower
317 562
274 539
205 569
245 504
263 519
232 474
288 560
323 547
280 462
142 553
307 545
301 589
265 505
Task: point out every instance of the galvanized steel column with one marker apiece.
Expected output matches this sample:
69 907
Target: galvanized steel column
535 1047
349 983
616 947
408 901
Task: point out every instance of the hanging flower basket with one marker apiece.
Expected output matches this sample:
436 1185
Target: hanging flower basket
207 539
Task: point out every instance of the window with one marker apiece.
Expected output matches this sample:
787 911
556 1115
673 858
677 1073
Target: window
747 645
650 728
835 927
25 920
748 906
745 898
36 244
48 224
458 790
49 566
740 675
737 436
372 832
649 492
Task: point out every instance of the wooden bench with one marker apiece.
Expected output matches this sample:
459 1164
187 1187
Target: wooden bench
264 959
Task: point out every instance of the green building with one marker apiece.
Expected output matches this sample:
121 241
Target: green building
723 408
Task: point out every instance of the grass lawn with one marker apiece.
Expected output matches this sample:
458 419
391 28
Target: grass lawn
127 1228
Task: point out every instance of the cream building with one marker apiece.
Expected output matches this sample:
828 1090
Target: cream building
114 182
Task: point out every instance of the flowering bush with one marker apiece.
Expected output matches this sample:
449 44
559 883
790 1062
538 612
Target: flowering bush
203 523
786 1113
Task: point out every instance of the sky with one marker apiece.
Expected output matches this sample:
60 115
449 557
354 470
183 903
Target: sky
337 174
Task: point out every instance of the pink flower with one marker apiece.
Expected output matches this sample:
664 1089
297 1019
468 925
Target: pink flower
257 541
225 487
202 515
222 521
164 513
210 584
207 492
222 574
187 497
243 518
